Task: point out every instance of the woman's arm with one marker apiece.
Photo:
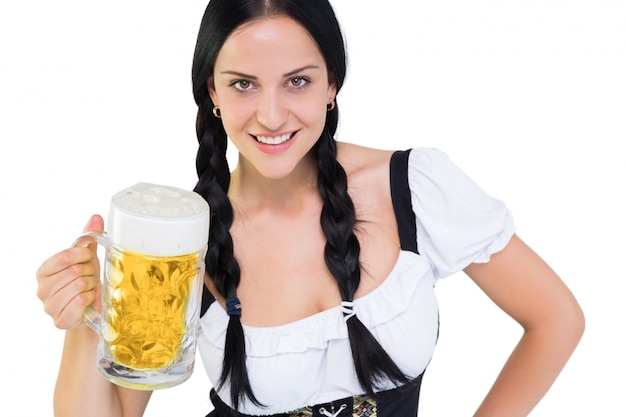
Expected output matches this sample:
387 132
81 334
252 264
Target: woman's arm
82 391
67 283
527 289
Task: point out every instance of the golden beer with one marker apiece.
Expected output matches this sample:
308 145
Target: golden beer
155 243
146 303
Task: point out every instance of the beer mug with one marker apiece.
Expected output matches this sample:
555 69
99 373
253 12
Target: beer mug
152 278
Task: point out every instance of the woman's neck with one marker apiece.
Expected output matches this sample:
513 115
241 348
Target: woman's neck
251 192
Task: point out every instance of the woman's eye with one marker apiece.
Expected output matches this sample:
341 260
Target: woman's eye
242 85
298 82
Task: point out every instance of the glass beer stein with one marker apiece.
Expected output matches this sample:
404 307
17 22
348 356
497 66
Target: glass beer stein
152 278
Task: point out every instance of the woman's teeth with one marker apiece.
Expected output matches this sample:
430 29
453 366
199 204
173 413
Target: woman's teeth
276 140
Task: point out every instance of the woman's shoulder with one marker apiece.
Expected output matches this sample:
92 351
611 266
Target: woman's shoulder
363 163
369 186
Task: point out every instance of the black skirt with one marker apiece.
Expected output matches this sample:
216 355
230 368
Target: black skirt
398 402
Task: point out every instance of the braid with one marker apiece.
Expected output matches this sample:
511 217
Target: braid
341 253
221 265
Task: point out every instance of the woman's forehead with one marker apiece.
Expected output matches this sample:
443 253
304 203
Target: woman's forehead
271 35
275 41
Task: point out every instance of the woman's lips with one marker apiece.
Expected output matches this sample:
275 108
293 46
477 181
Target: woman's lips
274 140
275 144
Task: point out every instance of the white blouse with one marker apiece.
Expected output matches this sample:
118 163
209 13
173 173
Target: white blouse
309 361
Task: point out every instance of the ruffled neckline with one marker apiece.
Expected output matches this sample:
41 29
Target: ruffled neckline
390 299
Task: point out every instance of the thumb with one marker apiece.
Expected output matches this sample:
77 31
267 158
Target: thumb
95 224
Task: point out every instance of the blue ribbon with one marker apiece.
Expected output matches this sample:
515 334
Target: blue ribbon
233 306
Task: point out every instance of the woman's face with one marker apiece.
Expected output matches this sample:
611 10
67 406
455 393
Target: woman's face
272 86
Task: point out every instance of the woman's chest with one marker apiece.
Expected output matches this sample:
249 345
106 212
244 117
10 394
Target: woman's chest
284 266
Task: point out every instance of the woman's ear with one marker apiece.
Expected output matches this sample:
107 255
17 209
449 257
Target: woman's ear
332 87
210 84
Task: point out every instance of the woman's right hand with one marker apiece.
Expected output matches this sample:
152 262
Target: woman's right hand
69 281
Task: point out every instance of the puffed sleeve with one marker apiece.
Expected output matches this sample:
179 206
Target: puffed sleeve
457 223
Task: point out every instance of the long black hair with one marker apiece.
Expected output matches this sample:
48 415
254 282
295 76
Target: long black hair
338 218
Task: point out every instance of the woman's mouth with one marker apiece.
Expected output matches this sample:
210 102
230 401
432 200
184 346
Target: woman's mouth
275 140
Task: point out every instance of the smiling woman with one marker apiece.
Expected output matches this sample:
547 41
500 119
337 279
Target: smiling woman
272 87
322 255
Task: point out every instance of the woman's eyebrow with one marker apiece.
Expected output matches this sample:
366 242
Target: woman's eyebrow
240 74
294 72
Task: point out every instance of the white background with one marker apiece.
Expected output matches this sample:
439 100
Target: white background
528 97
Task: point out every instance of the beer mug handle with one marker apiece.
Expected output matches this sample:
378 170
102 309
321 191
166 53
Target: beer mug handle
91 316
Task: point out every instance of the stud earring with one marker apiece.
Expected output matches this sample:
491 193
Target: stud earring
330 106
217 113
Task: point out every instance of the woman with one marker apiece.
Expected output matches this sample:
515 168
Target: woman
322 255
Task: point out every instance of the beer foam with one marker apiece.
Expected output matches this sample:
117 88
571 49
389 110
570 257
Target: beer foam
159 220
159 200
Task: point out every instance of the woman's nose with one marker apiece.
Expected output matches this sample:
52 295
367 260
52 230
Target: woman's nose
272 111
